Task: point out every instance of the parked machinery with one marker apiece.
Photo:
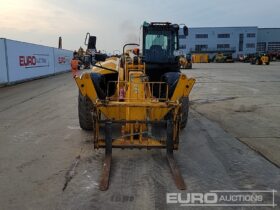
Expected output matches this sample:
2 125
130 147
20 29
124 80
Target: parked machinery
140 100
223 58
274 55
84 57
260 59
185 61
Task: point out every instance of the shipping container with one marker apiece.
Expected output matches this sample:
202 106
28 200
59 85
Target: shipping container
200 58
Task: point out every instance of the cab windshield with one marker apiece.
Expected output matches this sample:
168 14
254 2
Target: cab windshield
159 45
154 39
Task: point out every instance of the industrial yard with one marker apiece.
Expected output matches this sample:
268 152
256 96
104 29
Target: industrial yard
231 142
139 105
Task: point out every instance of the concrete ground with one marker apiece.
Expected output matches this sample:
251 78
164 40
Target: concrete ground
245 100
42 146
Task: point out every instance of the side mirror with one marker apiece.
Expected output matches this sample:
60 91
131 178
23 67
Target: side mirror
186 30
100 57
86 39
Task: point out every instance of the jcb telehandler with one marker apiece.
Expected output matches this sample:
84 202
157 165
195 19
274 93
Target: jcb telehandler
260 59
129 102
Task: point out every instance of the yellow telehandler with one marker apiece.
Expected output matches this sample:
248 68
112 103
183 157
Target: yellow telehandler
260 59
185 62
139 100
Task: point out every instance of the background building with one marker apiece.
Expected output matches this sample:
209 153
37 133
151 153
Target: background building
232 40
268 40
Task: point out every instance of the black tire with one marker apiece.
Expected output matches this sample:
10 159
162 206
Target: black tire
267 63
85 116
171 78
185 111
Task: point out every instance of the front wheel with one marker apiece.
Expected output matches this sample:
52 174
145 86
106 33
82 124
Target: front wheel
85 115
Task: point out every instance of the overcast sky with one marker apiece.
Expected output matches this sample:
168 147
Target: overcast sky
116 22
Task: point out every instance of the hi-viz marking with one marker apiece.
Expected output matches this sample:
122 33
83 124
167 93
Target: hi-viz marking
34 61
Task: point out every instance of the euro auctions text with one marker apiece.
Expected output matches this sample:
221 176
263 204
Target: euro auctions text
224 198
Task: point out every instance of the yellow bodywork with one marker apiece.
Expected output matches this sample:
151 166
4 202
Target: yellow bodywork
184 63
265 59
139 105
260 59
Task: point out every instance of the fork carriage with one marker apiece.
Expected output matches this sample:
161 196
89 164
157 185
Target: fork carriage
136 109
